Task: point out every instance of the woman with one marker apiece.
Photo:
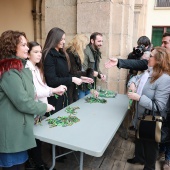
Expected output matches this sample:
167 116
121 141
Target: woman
157 87
57 67
34 63
18 107
75 50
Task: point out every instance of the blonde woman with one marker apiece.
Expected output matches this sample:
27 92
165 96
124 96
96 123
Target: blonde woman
156 87
75 50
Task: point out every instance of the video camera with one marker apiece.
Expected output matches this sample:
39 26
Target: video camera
139 49
137 52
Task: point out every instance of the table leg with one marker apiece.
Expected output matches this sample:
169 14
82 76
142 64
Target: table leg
81 160
53 157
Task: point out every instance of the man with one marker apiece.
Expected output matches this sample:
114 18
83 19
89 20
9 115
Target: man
92 59
93 54
143 46
142 65
137 64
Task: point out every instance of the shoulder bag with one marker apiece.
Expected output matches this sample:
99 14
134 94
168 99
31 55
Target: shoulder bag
152 127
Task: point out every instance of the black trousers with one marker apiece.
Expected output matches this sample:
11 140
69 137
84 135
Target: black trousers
146 151
15 167
139 151
35 153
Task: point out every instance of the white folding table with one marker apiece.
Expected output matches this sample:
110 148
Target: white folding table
98 125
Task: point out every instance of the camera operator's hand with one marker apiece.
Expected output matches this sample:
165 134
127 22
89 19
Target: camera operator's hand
111 63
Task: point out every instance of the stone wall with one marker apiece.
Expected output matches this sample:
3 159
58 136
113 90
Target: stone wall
117 20
62 14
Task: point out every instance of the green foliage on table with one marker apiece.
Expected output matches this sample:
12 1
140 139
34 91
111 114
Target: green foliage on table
65 120
107 93
95 100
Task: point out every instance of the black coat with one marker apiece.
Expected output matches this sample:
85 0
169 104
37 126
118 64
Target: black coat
57 73
76 70
133 64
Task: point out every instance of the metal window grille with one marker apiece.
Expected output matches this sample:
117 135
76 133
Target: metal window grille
162 3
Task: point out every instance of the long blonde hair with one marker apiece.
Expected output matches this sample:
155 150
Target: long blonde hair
77 45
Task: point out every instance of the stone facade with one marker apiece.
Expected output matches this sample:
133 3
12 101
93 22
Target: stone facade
120 21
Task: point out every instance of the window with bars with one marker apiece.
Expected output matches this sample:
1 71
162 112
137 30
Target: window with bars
157 33
162 3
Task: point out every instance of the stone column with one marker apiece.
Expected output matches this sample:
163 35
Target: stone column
62 14
139 23
114 19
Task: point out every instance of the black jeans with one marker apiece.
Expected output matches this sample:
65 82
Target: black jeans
35 153
15 167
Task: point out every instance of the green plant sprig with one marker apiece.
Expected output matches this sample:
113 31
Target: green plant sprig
95 100
65 120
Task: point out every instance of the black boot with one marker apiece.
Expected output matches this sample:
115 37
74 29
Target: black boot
30 165
135 161
42 167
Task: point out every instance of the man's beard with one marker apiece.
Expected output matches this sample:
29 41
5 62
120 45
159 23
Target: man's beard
97 47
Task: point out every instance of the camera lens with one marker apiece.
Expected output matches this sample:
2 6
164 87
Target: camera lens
140 49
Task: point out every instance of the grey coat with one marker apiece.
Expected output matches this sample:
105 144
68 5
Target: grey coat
89 60
158 90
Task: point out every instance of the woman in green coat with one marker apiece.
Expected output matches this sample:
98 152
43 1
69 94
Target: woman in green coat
17 104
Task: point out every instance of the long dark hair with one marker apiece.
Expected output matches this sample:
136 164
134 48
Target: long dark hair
40 64
53 39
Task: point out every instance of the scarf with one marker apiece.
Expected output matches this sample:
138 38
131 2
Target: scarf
143 80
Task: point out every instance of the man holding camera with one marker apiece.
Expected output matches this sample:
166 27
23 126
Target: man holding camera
143 47
142 65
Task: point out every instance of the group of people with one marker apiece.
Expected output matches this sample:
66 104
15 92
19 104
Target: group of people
30 79
153 83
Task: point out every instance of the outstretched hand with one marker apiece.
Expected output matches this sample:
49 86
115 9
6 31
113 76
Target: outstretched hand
111 63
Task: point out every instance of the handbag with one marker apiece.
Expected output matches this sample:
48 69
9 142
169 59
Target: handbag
151 127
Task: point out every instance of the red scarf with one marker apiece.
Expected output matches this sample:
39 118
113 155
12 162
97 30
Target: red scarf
8 64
